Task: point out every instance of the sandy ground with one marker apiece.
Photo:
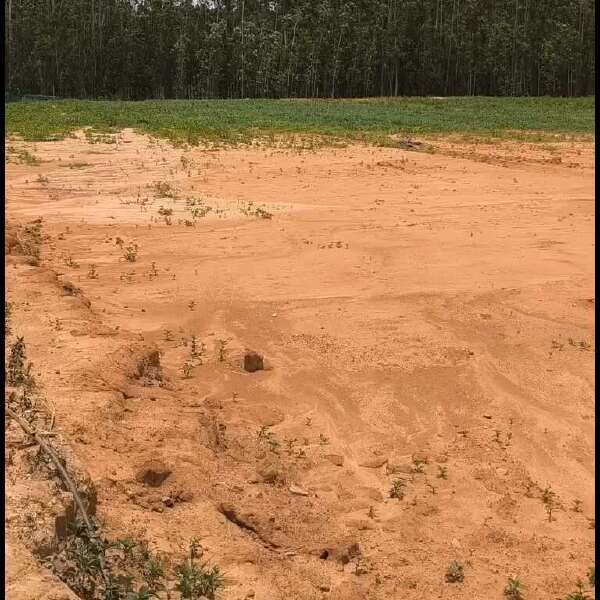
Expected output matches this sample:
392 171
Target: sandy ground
434 307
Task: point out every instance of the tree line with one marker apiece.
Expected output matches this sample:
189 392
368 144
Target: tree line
137 49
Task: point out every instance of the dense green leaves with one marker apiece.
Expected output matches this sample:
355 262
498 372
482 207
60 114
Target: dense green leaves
135 49
368 119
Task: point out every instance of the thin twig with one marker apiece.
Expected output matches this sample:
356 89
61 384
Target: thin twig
65 477
56 460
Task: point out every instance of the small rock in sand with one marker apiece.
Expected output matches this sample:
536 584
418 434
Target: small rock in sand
253 361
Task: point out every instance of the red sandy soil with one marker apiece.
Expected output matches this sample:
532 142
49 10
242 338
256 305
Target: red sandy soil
437 306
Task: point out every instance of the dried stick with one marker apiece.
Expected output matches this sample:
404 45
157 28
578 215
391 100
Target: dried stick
56 460
65 477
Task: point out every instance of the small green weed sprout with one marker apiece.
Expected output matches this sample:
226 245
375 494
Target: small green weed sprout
187 369
577 505
153 271
418 465
264 435
550 500
289 443
196 349
71 262
165 212
197 208
548 495
221 346
131 252
455 573
255 211
579 594
185 161
513 589
397 489
18 369
163 190
153 575
263 214
196 579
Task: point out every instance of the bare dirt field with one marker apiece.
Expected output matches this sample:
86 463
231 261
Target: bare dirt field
427 326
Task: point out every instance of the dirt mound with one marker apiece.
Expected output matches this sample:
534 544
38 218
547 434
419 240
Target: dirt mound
134 364
24 240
